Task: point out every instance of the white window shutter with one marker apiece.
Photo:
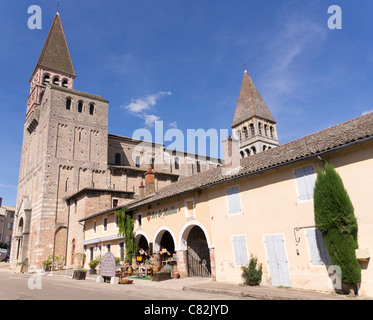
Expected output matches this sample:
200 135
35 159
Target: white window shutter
240 250
309 181
306 182
302 188
234 201
318 251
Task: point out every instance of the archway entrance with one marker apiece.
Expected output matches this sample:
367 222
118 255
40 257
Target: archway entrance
167 246
198 254
19 239
142 248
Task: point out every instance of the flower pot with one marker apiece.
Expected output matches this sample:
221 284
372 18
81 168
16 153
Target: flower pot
79 274
125 281
161 276
93 271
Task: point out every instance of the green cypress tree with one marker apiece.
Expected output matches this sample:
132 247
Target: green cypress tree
335 218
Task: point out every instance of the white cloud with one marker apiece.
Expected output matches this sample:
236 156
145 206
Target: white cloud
140 106
173 124
150 119
145 103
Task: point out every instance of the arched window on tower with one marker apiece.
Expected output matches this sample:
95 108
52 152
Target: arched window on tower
118 159
253 149
252 129
177 165
68 104
56 81
246 133
264 148
80 106
91 109
247 152
64 83
137 162
242 154
266 130
271 132
46 79
260 128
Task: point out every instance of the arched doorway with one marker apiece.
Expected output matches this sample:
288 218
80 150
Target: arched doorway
164 244
142 248
19 239
198 254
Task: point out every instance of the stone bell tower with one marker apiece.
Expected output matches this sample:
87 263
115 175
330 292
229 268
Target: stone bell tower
54 66
253 124
65 149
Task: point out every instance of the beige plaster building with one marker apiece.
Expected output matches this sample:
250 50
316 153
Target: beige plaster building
261 205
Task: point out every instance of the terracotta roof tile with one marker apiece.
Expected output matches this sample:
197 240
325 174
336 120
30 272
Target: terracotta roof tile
312 145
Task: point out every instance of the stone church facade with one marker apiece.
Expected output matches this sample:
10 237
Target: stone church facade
72 167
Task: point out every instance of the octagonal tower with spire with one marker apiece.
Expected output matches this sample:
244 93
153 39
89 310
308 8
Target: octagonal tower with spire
253 124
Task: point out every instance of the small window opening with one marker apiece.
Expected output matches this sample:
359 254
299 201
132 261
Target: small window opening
68 104
91 109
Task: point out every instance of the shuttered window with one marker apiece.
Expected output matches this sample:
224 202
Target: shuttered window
240 250
234 201
318 251
306 182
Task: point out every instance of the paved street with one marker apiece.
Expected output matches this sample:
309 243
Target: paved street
60 287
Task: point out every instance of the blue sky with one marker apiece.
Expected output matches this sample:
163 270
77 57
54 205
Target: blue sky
182 62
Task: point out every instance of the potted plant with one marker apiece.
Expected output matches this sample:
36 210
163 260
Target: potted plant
252 274
93 265
47 265
164 274
79 274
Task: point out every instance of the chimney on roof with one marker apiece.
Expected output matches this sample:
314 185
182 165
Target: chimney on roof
231 147
142 189
149 181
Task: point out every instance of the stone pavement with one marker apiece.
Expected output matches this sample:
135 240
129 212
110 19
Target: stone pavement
239 292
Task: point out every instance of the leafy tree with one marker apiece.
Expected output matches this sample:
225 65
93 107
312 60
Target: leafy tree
126 224
335 218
